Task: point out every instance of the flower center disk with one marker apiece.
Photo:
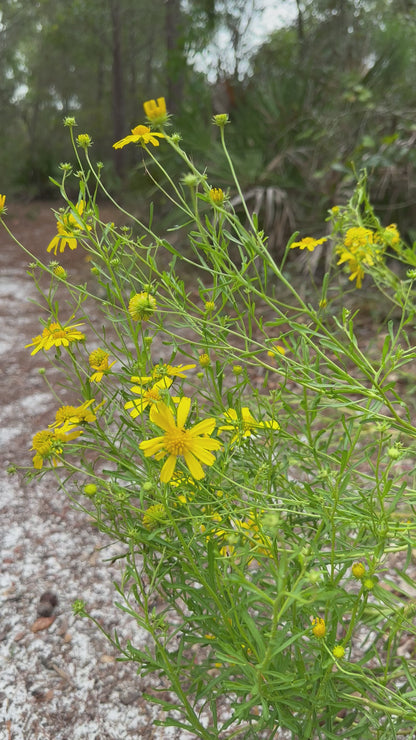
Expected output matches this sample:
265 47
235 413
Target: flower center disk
178 441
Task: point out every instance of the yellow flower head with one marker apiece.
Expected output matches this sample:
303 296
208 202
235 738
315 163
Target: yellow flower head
142 306
358 237
308 243
90 489
154 516
204 360
141 135
155 111
193 444
148 396
278 349
98 361
68 226
163 371
318 627
56 335
60 272
359 249
245 424
358 570
42 442
209 306
75 414
391 235
84 141
338 652
3 208
47 444
216 196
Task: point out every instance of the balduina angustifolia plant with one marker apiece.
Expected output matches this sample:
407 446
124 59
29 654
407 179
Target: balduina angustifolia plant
252 453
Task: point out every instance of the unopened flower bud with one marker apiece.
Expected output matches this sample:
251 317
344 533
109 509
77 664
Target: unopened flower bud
358 570
338 652
221 119
84 141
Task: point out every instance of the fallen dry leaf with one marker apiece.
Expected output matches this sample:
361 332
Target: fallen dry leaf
107 659
42 623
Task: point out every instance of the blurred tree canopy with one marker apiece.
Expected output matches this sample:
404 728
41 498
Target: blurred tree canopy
330 90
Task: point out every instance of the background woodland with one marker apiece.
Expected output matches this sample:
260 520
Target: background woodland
330 92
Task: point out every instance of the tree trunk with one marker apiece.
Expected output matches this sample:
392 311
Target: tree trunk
117 84
175 59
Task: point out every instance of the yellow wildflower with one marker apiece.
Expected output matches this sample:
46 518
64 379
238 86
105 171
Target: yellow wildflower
3 208
358 237
278 349
194 444
60 272
359 248
139 135
163 371
142 306
245 424
75 414
42 442
204 360
338 652
155 111
358 570
98 361
154 516
68 226
56 335
308 243
48 444
318 627
149 396
391 235
216 196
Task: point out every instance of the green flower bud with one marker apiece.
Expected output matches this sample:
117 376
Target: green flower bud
90 489
78 608
84 141
221 119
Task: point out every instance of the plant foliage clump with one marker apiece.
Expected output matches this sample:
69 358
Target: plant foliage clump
253 456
